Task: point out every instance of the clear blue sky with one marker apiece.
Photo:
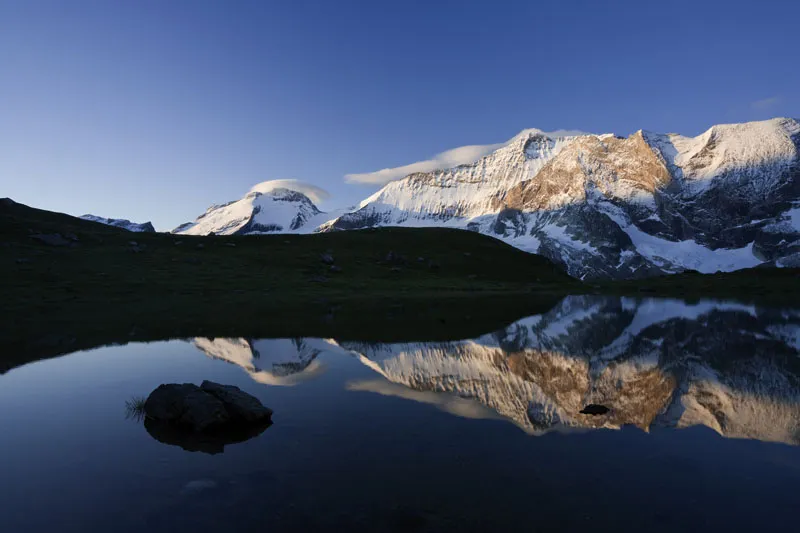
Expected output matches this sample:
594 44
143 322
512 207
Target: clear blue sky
155 109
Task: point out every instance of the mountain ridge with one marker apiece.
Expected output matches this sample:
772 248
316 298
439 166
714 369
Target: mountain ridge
143 227
600 206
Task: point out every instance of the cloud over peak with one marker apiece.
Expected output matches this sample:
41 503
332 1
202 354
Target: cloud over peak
448 159
314 193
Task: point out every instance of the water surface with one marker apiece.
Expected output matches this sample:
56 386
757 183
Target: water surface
468 435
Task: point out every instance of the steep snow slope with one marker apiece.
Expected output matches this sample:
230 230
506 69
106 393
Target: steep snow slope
453 195
122 223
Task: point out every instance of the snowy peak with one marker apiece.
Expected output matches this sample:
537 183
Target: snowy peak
269 210
754 148
145 227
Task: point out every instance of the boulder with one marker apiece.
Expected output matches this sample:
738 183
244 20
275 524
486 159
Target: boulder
186 405
209 408
241 407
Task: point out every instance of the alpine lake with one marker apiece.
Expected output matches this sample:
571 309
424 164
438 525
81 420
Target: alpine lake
695 426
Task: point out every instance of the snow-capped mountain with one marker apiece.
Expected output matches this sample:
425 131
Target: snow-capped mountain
601 206
278 210
146 227
609 207
653 363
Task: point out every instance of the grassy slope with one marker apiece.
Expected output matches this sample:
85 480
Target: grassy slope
101 290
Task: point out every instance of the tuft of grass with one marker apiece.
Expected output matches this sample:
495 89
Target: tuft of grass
134 408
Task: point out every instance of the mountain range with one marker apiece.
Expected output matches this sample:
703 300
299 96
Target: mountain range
600 206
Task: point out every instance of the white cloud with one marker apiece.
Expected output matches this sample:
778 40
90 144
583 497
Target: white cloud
451 158
316 194
766 103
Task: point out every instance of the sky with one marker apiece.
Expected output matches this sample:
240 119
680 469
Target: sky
156 109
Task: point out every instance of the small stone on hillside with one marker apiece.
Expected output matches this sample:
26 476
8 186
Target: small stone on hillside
335 269
200 246
327 259
51 239
231 244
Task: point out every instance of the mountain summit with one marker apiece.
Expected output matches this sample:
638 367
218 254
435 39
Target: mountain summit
277 210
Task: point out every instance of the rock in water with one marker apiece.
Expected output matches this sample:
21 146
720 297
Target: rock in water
210 407
594 409
241 406
186 405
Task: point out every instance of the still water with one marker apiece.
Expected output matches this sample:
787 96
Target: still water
481 434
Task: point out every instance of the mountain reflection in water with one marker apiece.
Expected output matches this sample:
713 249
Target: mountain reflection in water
654 363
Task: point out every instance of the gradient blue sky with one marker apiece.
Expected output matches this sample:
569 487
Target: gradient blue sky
155 109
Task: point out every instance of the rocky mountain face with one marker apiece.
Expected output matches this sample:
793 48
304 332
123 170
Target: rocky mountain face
664 363
601 206
279 210
146 227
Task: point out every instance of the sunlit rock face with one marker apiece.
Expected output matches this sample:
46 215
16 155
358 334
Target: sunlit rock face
731 367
